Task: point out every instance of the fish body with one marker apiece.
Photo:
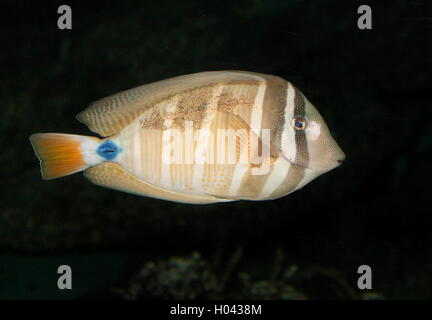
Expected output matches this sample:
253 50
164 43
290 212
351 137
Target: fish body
201 138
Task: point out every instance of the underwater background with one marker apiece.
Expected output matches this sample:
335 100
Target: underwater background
372 87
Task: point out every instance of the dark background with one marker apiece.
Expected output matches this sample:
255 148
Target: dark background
371 86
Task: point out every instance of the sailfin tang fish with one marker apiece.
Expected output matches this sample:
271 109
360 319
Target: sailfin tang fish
200 138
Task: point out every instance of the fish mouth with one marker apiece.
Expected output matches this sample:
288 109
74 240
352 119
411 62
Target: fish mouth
341 159
337 157
337 162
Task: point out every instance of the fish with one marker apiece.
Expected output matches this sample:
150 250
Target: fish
207 137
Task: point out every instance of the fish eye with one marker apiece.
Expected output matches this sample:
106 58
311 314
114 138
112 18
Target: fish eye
298 123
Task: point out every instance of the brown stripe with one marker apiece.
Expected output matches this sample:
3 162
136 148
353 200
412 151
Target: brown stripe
274 108
302 153
294 177
297 170
274 103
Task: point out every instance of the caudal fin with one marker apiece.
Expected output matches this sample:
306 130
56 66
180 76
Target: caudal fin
63 154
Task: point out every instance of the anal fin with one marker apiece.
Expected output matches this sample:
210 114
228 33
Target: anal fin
112 175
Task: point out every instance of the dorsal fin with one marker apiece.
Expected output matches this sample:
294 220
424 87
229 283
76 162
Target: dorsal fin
109 115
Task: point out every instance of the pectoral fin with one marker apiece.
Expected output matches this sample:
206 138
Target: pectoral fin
248 146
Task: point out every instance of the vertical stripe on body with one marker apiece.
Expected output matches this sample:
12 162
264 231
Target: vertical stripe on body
288 137
276 177
169 173
256 115
257 110
295 145
274 104
302 154
137 146
201 170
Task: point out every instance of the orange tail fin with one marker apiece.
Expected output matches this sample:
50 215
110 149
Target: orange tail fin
63 154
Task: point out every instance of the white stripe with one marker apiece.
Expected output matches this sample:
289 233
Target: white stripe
167 158
256 125
166 178
257 111
276 177
308 176
288 143
137 150
202 139
88 147
237 177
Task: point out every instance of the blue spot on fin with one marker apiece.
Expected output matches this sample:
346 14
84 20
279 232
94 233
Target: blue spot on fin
108 150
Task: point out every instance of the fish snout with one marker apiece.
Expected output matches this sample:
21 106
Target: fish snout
338 157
